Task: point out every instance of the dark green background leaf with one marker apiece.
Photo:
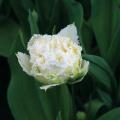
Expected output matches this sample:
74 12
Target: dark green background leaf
8 37
101 71
33 19
111 115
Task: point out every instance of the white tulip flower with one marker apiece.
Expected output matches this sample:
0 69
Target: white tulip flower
54 59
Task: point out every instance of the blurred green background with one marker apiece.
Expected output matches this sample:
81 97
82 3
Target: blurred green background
97 97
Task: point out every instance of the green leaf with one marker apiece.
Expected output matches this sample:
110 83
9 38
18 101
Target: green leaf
22 39
58 96
27 4
44 7
111 115
102 72
48 99
112 54
33 17
22 17
105 22
75 12
106 98
8 37
47 11
19 11
1 2
55 16
65 103
113 57
118 93
92 107
87 8
59 117
87 36
102 27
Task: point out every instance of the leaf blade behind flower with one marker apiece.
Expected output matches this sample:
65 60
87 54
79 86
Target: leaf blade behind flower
32 18
102 72
111 115
8 37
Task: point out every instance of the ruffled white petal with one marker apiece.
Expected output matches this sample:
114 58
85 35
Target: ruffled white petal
23 60
71 32
32 40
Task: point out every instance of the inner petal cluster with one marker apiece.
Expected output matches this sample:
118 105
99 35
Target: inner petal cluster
54 57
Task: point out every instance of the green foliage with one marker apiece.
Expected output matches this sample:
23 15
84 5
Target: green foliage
105 21
98 25
101 71
33 17
75 12
8 37
112 115
93 107
59 116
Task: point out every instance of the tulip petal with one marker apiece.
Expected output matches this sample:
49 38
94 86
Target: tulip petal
71 32
23 60
85 67
83 72
45 87
32 40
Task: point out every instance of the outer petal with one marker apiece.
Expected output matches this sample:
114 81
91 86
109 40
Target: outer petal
45 87
83 72
33 39
71 32
23 60
85 67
